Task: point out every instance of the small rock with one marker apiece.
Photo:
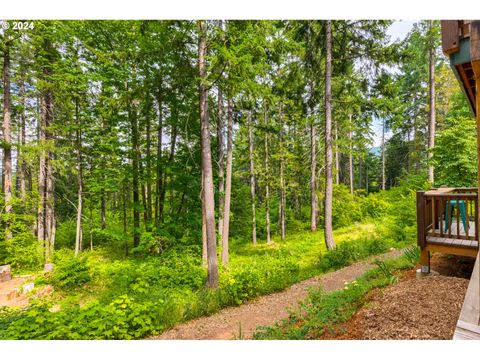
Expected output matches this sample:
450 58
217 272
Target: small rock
28 287
44 291
5 273
55 308
12 294
48 268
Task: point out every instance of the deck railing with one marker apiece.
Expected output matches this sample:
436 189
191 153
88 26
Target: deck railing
448 213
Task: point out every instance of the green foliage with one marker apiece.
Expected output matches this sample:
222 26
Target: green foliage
348 252
412 254
350 208
65 235
386 271
23 252
120 319
241 286
400 224
345 207
132 298
271 275
455 153
150 244
70 272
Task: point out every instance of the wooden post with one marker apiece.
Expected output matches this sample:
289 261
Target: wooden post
424 254
425 261
475 58
450 37
421 218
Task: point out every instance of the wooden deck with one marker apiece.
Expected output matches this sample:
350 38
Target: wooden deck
468 325
438 207
461 41
458 235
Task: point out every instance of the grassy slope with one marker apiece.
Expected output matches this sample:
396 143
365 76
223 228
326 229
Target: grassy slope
162 291
303 248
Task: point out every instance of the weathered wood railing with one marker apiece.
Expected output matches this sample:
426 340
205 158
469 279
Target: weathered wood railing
448 214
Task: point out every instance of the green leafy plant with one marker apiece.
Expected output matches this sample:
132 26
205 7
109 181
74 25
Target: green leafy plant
70 271
386 271
412 254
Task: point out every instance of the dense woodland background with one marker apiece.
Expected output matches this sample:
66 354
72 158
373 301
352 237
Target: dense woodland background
158 143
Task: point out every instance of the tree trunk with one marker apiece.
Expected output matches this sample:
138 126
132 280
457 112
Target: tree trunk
228 182
103 205
7 140
267 179
173 142
204 231
281 207
148 174
431 127
124 205
49 198
252 177
221 164
383 154
79 235
328 140
143 192
103 208
90 225
366 177
360 163
159 190
350 154
337 156
313 174
21 162
182 203
45 219
41 175
208 194
417 138
135 151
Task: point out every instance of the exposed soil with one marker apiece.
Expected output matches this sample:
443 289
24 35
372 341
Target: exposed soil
414 308
8 287
263 311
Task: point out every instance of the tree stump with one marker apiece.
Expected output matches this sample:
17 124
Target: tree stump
5 273
48 268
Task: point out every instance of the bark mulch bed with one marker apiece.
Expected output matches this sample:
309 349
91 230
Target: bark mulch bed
423 308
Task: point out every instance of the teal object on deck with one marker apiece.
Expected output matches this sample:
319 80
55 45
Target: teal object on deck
463 212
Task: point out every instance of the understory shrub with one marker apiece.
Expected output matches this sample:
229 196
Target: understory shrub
347 252
70 271
23 252
135 297
151 244
272 274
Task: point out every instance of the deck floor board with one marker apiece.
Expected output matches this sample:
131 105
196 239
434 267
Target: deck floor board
468 322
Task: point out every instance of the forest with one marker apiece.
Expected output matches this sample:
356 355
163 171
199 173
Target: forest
157 171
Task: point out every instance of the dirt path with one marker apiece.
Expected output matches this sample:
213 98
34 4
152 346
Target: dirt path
266 310
7 298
